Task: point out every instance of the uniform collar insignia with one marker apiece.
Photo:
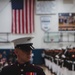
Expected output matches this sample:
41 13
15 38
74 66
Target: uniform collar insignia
22 64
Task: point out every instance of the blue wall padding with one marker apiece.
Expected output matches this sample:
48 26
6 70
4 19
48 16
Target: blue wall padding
37 58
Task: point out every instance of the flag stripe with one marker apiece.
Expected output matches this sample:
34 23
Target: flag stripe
26 18
27 15
30 16
23 18
15 21
17 11
19 23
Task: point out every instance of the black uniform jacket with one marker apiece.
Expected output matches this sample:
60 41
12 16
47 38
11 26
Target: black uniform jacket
24 69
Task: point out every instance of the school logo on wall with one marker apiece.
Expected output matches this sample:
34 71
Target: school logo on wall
45 23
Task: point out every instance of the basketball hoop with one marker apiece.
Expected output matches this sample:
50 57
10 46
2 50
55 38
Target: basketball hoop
52 40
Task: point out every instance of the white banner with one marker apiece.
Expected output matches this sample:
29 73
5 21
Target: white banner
45 23
45 7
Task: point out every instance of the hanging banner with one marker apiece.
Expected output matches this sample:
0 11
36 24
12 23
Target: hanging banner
45 23
46 7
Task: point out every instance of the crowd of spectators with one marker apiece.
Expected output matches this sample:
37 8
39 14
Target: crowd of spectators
7 58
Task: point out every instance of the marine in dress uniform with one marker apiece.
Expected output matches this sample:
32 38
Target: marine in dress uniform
22 66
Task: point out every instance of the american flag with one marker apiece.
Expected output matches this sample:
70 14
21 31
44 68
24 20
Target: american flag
22 16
